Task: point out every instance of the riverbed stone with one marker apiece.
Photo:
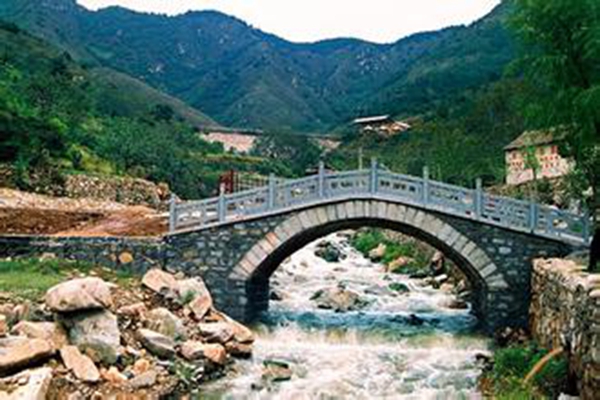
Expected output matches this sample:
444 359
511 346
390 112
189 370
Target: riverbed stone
96 333
36 385
16 354
50 331
338 299
81 365
216 332
160 345
166 323
79 294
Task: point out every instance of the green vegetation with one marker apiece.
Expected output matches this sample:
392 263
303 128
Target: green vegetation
564 70
59 117
511 366
30 278
254 79
366 240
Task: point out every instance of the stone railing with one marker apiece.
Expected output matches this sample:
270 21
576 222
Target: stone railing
475 204
565 312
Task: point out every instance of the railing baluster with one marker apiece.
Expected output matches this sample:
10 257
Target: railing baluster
426 185
271 198
172 213
533 216
374 187
321 179
221 208
478 199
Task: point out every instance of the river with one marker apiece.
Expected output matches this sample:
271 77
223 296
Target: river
400 346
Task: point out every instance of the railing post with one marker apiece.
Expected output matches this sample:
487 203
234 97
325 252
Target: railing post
586 227
426 184
172 213
321 179
478 198
374 177
222 207
271 200
533 215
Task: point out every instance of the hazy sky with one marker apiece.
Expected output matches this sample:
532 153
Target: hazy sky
310 20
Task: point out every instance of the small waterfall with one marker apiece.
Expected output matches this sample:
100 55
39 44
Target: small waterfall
399 345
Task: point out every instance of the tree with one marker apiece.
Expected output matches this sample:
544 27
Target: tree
563 64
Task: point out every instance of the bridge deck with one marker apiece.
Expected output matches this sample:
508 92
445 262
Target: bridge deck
283 196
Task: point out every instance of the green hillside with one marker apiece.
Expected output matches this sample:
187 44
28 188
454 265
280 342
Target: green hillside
242 76
57 116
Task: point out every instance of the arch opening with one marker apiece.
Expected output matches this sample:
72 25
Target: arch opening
258 288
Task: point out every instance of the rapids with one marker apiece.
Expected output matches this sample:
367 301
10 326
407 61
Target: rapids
400 346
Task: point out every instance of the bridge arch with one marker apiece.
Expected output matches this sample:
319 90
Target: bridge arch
298 230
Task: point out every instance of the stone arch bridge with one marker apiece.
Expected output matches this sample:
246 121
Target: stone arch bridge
235 242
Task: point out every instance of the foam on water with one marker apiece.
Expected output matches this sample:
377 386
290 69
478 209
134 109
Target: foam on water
377 352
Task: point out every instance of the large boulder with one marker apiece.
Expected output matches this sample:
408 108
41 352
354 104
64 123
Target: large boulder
36 387
194 350
166 323
216 332
96 333
161 282
200 306
19 353
79 294
81 365
160 345
50 331
338 299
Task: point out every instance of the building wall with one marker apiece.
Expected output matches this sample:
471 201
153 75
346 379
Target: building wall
565 312
242 143
552 165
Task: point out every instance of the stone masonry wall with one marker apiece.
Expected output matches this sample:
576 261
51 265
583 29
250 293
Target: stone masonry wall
129 254
565 311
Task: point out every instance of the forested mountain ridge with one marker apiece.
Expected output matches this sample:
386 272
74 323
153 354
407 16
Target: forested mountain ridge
242 76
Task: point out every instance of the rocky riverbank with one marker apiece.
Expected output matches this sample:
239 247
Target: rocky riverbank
89 338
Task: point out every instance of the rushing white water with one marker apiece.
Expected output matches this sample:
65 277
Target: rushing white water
381 351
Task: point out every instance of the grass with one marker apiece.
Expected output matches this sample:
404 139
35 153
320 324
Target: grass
513 363
31 278
367 240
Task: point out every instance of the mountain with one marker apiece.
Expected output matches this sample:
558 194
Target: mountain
244 77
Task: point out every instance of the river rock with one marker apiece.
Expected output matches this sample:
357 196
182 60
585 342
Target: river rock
456 304
3 326
276 371
378 252
399 287
50 331
399 263
216 332
81 365
238 350
140 366
200 306
19 353
161 282
137 310
192 288
36 386
144 380
166 323
96 333
338 299
328 252
215 353
79 294
241 333
194 350
114 376
160 345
